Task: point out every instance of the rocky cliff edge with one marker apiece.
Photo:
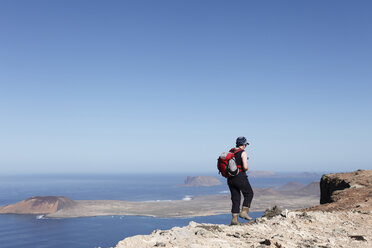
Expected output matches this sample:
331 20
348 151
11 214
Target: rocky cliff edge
345 191
343 220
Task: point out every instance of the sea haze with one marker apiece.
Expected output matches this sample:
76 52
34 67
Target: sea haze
103 231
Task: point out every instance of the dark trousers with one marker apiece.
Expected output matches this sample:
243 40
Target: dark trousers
238 184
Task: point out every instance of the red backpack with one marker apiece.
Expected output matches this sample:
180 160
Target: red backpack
226 164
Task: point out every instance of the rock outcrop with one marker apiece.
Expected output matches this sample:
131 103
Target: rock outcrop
38 205
201 181
344 222
345 191
328 185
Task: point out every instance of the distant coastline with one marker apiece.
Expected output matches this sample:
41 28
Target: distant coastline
292 197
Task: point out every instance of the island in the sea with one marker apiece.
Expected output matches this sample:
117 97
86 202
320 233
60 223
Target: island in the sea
63 207
201 181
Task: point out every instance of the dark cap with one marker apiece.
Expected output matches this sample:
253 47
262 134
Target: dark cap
241 141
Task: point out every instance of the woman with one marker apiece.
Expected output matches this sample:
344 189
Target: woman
239 184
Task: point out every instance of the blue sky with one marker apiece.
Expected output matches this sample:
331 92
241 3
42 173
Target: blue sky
166 86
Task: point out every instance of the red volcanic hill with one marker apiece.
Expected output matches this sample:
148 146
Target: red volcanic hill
38 205
290 186
311 188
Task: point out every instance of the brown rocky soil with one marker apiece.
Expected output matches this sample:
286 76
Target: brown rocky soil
346 191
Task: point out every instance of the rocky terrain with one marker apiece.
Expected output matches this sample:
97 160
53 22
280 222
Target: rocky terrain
201 181
343 220
345 191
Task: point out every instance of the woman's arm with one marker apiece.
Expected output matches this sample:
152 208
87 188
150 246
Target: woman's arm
245 161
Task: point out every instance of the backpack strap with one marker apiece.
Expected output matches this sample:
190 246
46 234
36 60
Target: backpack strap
235 151
240 167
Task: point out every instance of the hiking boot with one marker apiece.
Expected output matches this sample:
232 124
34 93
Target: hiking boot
234 220
244 214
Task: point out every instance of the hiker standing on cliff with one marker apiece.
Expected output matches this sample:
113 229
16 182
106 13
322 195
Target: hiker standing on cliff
240 184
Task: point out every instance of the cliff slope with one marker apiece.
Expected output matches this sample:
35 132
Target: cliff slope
346 191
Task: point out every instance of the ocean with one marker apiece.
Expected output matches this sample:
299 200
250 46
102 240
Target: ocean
103 231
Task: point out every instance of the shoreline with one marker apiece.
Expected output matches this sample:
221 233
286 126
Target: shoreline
44 216
196 207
